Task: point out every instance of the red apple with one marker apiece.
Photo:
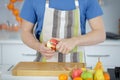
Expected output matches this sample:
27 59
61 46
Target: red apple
76 73
52 43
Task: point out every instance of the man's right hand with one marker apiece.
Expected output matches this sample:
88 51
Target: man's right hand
46 52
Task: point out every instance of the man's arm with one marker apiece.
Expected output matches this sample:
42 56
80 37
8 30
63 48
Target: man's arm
96 35
29 39
93 37
27 35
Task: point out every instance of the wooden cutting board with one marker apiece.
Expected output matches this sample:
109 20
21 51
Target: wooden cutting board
43 68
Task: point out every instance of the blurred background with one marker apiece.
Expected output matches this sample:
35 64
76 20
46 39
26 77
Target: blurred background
110 8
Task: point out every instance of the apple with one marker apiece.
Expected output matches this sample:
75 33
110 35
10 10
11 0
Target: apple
76 73
87 75
52 44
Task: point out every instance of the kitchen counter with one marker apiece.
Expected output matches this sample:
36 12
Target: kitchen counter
110 42
19 41
11 41
6 75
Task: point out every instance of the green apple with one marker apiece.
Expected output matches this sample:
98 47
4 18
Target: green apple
87 75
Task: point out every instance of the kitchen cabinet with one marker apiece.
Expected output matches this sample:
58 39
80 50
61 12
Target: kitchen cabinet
14 53
113 52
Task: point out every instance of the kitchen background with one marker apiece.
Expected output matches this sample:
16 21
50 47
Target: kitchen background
11 46
110 8
13 50
7 17
111 15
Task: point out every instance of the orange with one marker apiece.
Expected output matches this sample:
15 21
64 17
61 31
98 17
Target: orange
4 26
77 78
10 6
106 76
10 28
63 77
13 1
19 19
16 12
0 26
89 79
15 28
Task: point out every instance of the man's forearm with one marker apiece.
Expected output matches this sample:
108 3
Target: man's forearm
91 38
30 40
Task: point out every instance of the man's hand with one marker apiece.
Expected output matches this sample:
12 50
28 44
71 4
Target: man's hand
66 45
46 52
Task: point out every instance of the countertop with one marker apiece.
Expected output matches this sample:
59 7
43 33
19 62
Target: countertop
19 41
110 42
11 41
6 74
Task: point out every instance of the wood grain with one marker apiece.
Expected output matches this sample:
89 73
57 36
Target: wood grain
44 68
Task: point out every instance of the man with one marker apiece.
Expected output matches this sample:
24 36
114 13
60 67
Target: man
65 21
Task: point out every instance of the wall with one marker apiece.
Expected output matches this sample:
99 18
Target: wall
111 9
7 17
5 14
